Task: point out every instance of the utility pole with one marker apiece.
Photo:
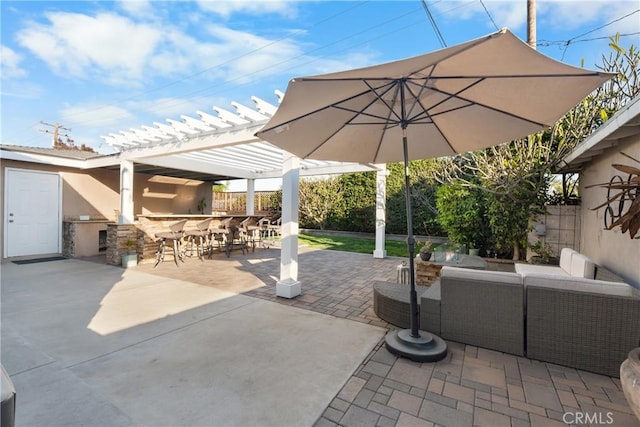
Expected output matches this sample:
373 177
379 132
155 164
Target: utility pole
531 23
57 142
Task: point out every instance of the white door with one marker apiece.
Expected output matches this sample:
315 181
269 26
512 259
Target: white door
32 215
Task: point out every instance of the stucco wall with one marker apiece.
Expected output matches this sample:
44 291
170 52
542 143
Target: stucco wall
609 248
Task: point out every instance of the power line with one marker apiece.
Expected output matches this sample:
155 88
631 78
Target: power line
568 42
564 42
489 15
433 24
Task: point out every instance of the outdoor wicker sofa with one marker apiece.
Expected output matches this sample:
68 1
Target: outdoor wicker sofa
568 320
560 315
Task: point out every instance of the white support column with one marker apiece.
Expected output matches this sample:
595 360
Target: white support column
126 192
251 193
289 286
381 204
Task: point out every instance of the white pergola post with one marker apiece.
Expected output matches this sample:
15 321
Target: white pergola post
251 193
126 192
288 286
381 204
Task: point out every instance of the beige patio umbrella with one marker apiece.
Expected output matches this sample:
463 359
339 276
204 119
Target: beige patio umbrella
463 98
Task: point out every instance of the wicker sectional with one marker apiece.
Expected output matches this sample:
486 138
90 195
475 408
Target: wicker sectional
566 315
572 321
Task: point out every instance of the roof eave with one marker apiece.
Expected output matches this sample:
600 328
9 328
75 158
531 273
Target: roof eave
624 123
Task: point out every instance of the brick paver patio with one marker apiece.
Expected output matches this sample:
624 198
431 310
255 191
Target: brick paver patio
471 386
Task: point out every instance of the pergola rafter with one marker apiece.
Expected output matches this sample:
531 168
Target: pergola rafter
223 141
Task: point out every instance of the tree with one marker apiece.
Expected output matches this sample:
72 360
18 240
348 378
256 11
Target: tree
463 215
356 209
318 197
423 198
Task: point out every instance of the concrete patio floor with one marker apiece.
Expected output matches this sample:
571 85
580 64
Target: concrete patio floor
209 343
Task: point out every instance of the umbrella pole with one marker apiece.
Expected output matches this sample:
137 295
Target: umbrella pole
410 343
411 242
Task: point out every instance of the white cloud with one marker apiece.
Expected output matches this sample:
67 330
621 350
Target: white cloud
567 14
572 15
226 8
512 15
77 45
139 8
95 116
10 61
330 65
22 89
244 53
159 109
118 51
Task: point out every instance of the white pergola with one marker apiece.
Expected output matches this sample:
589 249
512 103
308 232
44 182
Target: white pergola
224 145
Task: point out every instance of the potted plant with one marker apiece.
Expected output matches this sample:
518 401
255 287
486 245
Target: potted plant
424 249
630 380
130 256
202 204
544 253
473 250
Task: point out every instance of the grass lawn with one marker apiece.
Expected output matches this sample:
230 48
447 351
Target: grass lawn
353 244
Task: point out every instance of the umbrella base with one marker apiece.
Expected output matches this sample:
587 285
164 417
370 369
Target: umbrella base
425 348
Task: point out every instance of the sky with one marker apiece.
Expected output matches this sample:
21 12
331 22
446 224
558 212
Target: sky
101 67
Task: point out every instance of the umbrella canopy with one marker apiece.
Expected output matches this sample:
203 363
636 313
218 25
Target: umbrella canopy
463 98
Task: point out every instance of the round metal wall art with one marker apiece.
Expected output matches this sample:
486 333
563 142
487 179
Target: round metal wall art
622 207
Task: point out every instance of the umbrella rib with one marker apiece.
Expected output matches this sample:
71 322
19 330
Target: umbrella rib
458 77
388 88
449 96
417 96
337 105
397 86
394 85
457 95
484 105
362 113
390 85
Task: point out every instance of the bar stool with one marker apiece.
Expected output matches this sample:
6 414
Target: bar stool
269 231
174 235
218 239
236 238
199 237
